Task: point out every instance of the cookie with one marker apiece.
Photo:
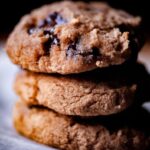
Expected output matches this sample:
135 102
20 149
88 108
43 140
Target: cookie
128 132
73 37
89 94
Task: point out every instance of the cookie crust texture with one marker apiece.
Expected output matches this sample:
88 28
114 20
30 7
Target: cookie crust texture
89 94
48 127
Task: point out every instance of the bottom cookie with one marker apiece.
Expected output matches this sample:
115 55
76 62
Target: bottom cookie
126 131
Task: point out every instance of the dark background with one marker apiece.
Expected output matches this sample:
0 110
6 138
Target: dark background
12 10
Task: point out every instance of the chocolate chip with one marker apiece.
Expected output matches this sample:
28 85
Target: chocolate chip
55 19
42 23
51 21
71 50
55 41
60 20
53 16
47 32
93 55
89 55
72 46
47 46
52 40
31 29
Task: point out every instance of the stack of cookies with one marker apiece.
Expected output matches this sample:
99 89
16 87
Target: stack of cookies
81 78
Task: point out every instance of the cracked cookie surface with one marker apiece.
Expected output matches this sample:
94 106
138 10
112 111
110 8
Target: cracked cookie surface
73 37
130 131
94 93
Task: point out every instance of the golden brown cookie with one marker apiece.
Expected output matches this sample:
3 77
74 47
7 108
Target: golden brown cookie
73 37
127 132
89 94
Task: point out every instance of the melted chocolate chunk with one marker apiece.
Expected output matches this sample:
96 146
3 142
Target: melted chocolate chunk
52 40
31 29
42 23
89 55
47 32
49 23
52 20
47 46
55 40
52 37
72 50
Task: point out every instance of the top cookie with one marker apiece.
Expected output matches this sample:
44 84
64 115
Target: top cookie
73 37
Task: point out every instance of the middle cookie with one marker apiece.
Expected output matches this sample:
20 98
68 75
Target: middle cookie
90 94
